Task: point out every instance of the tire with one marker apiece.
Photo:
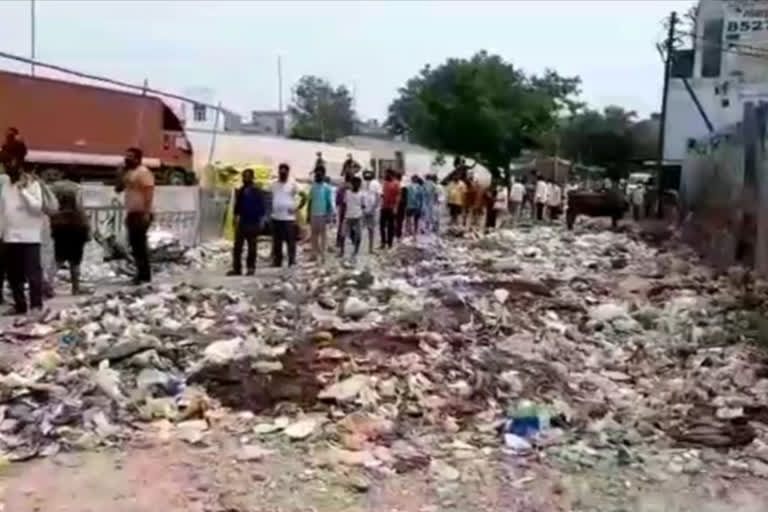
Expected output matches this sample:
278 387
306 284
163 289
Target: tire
176 177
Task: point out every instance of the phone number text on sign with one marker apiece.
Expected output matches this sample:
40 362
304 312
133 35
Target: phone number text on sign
747 26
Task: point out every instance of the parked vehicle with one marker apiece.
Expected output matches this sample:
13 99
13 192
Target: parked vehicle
72 126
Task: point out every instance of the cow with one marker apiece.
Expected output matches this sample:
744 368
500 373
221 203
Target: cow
608 203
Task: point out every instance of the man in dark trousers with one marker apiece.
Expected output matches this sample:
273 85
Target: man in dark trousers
286 201
138 182
21 209
70 230
390 198
13 150
250 209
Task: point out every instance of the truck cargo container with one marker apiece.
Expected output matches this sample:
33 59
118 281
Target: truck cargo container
75 127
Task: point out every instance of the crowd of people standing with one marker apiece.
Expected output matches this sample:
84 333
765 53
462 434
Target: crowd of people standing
362 208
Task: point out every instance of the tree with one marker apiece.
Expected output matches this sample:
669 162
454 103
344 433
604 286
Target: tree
481 108
604 139
321 112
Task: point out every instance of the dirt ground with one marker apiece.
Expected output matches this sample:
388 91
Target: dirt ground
178 478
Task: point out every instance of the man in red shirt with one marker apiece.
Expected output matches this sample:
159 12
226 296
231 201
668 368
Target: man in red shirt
390 195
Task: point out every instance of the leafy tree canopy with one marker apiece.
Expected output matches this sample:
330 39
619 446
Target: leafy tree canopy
481 108
320 111
608 139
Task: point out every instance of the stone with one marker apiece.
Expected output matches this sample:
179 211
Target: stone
607 312
302 429
758 468
345 390
322 337
355 308
501 295
267 366
336 456
444 471
222 351
266 428
192 431
253 452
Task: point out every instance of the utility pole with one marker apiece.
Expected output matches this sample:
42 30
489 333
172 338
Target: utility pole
32 36
668 45
281 122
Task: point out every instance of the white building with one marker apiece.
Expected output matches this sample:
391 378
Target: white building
268 122
727 67
202 116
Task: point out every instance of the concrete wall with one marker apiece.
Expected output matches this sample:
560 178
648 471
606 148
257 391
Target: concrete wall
711 184
237 148
724 193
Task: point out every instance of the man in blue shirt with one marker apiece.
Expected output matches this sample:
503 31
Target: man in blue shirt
250 210
320 213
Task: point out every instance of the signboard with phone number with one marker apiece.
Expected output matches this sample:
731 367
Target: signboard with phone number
747 26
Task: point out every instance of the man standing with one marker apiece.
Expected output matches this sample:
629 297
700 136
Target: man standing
348 168
554 200
320 212
21 208
457 196
249 211
390 196
402 206
139 185
284 210
372 192
429 203
341 209
540 197
516 197
70 231
355 206
415 204
638 200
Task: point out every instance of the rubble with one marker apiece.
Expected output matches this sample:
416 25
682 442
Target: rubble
413 362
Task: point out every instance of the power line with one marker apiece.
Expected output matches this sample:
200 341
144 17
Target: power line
673 20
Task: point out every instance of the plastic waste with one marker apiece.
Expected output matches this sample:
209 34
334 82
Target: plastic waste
69 339
517 444
527 420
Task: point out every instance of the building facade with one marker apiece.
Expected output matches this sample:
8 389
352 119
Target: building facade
726 68
268 122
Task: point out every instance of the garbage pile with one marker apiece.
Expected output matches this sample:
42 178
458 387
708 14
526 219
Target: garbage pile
109 259
585 349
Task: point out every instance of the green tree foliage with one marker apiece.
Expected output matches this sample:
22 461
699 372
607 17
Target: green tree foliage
321 112
482 108
609 139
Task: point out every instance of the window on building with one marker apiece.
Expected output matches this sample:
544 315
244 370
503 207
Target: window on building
682 64
199 112
712 48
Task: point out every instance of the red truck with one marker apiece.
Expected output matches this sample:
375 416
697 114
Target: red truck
86 129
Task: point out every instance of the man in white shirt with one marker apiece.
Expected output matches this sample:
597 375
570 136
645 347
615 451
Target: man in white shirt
355 207
372 193
516 196
554 200
21 208
285 204
540 197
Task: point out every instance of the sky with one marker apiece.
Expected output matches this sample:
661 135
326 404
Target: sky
227 51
